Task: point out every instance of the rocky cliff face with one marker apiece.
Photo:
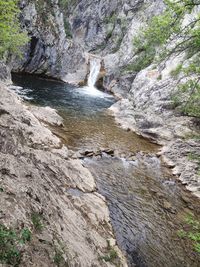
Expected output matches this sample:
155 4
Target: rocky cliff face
5 74
62 35
49 51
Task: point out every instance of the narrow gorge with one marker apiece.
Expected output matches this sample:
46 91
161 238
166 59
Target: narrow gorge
100 130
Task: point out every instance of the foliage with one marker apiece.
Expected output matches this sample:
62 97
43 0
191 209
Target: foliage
25 235
151 45
188 97
36 219
10 244
111 255
194 136
193 231
157 33
59 259
167 27
11 36
176 71
67 29
111 19
195 157
65 4
118 42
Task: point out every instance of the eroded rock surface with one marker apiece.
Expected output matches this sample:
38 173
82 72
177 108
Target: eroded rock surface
46 114
61 41
148 110
5 73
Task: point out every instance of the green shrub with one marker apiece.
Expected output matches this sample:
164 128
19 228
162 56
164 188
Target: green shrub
36 219
67 29
193 231
11 243
111 255
195 157
66 3
111 19
174 73
25 235
58 258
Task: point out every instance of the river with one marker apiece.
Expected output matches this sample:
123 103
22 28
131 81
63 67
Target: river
147 204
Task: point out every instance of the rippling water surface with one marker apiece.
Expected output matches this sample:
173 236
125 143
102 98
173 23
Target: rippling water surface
146 209
147 205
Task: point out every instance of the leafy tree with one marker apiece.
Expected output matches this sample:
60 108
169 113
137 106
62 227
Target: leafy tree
11 36
151 46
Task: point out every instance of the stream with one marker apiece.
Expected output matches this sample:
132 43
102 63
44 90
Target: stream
147 204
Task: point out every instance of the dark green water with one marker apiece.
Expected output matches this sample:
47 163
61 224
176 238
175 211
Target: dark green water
64 97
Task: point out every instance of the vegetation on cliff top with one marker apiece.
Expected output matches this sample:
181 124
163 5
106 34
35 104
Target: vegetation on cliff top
152 45
11 36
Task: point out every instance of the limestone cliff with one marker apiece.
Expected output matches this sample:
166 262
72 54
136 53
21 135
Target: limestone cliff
64 32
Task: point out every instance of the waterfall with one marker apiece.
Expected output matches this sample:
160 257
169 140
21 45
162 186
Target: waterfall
95 66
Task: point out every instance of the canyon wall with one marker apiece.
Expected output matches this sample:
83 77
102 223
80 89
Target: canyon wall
63 35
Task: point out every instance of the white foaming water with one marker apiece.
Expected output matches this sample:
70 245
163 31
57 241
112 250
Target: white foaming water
92 92
21 91
95 67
